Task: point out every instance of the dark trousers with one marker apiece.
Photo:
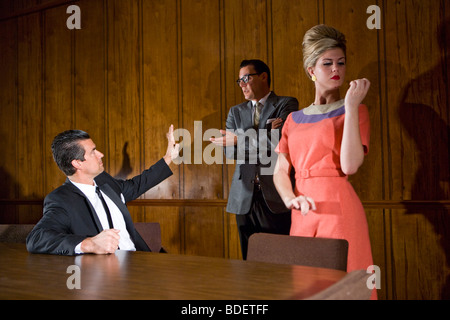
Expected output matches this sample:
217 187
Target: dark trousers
260 219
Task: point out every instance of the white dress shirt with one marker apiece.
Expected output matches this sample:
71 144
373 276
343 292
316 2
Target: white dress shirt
125 242
261 101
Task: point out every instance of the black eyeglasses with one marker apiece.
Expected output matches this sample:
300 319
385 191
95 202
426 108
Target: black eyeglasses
245 79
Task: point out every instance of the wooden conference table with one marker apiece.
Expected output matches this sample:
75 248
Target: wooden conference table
144 275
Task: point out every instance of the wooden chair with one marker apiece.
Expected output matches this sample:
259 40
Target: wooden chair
151 233
306 251
352 287
15 233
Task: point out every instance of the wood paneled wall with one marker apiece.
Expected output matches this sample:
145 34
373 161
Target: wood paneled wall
138 66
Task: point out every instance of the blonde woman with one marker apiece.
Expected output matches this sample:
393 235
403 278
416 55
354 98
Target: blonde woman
325 143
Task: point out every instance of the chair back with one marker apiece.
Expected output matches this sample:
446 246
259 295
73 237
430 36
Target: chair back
352 287
151 233
306 251
15 233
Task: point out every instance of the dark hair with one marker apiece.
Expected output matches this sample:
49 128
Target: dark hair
65 148
259 67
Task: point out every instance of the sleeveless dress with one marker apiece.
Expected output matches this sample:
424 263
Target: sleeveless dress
312 137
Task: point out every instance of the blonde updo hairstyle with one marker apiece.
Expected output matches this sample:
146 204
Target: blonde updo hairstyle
319 39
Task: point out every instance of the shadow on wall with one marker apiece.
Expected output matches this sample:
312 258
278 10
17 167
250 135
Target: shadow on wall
428 128
422 111
125 168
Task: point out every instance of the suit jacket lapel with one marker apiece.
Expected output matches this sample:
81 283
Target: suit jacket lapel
268 109
92 212
247 115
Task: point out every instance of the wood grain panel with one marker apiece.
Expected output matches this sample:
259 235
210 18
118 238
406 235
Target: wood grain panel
124 107
90 68
21 5
6 9
57 88
418 106
160 87
201 92
161 109
418 147
30 178
11 9
293 19
30 112
8 110
9 187
417 271
246 37
123 103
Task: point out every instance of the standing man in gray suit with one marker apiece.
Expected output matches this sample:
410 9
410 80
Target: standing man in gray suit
253 132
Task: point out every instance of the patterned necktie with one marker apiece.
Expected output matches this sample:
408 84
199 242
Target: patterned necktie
105 206
258 108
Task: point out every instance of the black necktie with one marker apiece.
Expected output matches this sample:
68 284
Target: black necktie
108 214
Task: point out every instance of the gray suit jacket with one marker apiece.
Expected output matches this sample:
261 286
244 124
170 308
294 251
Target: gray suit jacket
255 153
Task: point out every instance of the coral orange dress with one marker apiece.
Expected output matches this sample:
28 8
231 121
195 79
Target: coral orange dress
312 137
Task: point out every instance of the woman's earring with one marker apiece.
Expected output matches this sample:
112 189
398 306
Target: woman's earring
313 78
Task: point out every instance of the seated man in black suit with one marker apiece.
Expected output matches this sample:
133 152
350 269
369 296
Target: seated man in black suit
88 213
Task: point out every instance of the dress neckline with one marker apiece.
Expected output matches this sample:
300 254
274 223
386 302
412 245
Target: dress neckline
323 108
